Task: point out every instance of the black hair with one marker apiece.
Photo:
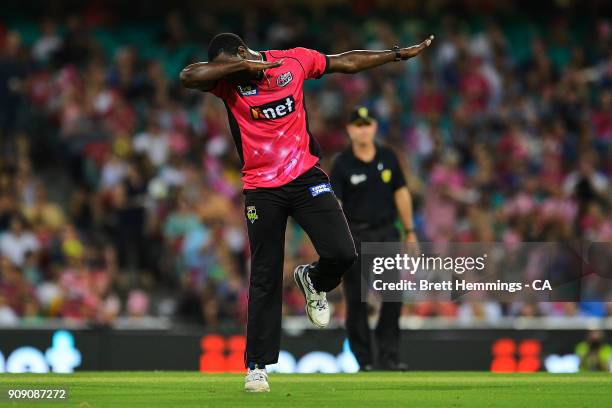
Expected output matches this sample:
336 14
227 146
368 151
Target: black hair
224 43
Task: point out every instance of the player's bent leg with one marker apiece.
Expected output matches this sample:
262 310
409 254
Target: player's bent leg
324 222
332 239
327 273
315 297
317 308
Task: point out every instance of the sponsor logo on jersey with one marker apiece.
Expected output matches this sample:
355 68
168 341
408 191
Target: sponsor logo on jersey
284 79
358 178
320 189
247 90
274 110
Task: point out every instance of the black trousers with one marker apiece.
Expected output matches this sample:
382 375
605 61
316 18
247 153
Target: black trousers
387 333
310 201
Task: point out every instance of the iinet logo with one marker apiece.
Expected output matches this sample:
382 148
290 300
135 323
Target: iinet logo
61 357
274 110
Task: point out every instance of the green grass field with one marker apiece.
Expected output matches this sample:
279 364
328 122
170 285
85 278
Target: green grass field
414 389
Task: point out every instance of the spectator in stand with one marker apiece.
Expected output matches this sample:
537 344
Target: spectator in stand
18 241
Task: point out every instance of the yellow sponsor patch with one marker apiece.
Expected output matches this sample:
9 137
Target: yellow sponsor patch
386 175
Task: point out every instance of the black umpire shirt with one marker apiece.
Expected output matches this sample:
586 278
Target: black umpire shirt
367 189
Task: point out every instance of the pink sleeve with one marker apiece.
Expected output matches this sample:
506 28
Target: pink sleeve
314 63
221 89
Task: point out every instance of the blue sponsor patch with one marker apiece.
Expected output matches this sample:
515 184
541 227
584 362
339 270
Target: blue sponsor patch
320 189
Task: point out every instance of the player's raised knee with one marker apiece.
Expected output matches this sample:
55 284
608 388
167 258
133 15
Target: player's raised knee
346 257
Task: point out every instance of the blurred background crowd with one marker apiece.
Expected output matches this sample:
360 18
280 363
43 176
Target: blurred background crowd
120 192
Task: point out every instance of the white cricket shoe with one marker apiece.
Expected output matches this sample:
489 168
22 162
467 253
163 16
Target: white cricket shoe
256 380
317 307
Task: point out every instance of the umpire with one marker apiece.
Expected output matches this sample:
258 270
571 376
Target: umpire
369 182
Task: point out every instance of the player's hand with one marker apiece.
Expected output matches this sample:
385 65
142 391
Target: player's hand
411 238
411 245
254 67
413 51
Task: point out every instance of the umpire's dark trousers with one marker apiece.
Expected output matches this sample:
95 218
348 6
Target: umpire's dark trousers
387 329
310 201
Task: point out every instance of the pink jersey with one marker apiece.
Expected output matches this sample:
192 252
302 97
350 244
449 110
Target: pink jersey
268 119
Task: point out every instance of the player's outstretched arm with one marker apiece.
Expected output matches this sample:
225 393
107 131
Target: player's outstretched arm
204 75
351 62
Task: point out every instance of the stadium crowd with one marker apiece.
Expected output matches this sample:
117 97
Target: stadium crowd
120 192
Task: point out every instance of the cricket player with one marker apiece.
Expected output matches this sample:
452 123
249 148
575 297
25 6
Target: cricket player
264 97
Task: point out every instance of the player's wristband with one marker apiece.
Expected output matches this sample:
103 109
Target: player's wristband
398 55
